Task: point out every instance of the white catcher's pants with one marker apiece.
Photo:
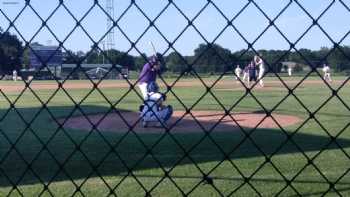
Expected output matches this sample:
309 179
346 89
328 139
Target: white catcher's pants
143 89
245 77
261 73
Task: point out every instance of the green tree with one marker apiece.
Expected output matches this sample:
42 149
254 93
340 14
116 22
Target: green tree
121 58
176 63
25 58
94 58
212 58
69 57
140 61
11 51
273 59
339 58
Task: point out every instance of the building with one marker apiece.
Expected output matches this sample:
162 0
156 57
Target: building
93 71
45 59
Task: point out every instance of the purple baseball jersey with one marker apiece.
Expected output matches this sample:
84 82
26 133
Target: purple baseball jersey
147 74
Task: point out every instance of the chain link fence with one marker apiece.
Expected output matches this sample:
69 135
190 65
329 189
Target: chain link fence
41 156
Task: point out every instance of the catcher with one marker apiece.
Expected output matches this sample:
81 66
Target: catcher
153 110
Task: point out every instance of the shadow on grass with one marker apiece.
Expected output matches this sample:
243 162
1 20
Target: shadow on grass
71 154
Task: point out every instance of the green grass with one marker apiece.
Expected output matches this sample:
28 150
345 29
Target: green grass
245 159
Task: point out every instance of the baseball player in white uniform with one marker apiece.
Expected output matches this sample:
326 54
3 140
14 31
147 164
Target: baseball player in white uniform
259 62
327 73
245 75
290 71
14 75
238 72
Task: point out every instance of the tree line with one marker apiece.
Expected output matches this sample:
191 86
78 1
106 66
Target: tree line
207 58
11 50
214 58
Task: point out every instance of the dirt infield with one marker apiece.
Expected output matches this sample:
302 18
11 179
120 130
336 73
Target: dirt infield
223 84
207 119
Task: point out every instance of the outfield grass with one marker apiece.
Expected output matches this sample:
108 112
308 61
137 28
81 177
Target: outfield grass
244 158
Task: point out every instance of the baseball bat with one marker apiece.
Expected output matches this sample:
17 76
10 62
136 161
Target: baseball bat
154 49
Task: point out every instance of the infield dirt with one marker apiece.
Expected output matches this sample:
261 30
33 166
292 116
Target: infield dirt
197 121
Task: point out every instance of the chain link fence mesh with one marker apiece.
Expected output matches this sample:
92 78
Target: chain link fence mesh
41 153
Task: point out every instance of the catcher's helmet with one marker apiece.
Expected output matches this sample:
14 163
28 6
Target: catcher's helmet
152 87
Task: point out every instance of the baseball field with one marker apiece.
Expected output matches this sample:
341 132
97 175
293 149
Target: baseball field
225 144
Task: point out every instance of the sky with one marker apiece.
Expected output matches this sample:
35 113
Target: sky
211 24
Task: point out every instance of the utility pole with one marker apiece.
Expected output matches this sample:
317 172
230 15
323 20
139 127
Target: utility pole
104 49
110 20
